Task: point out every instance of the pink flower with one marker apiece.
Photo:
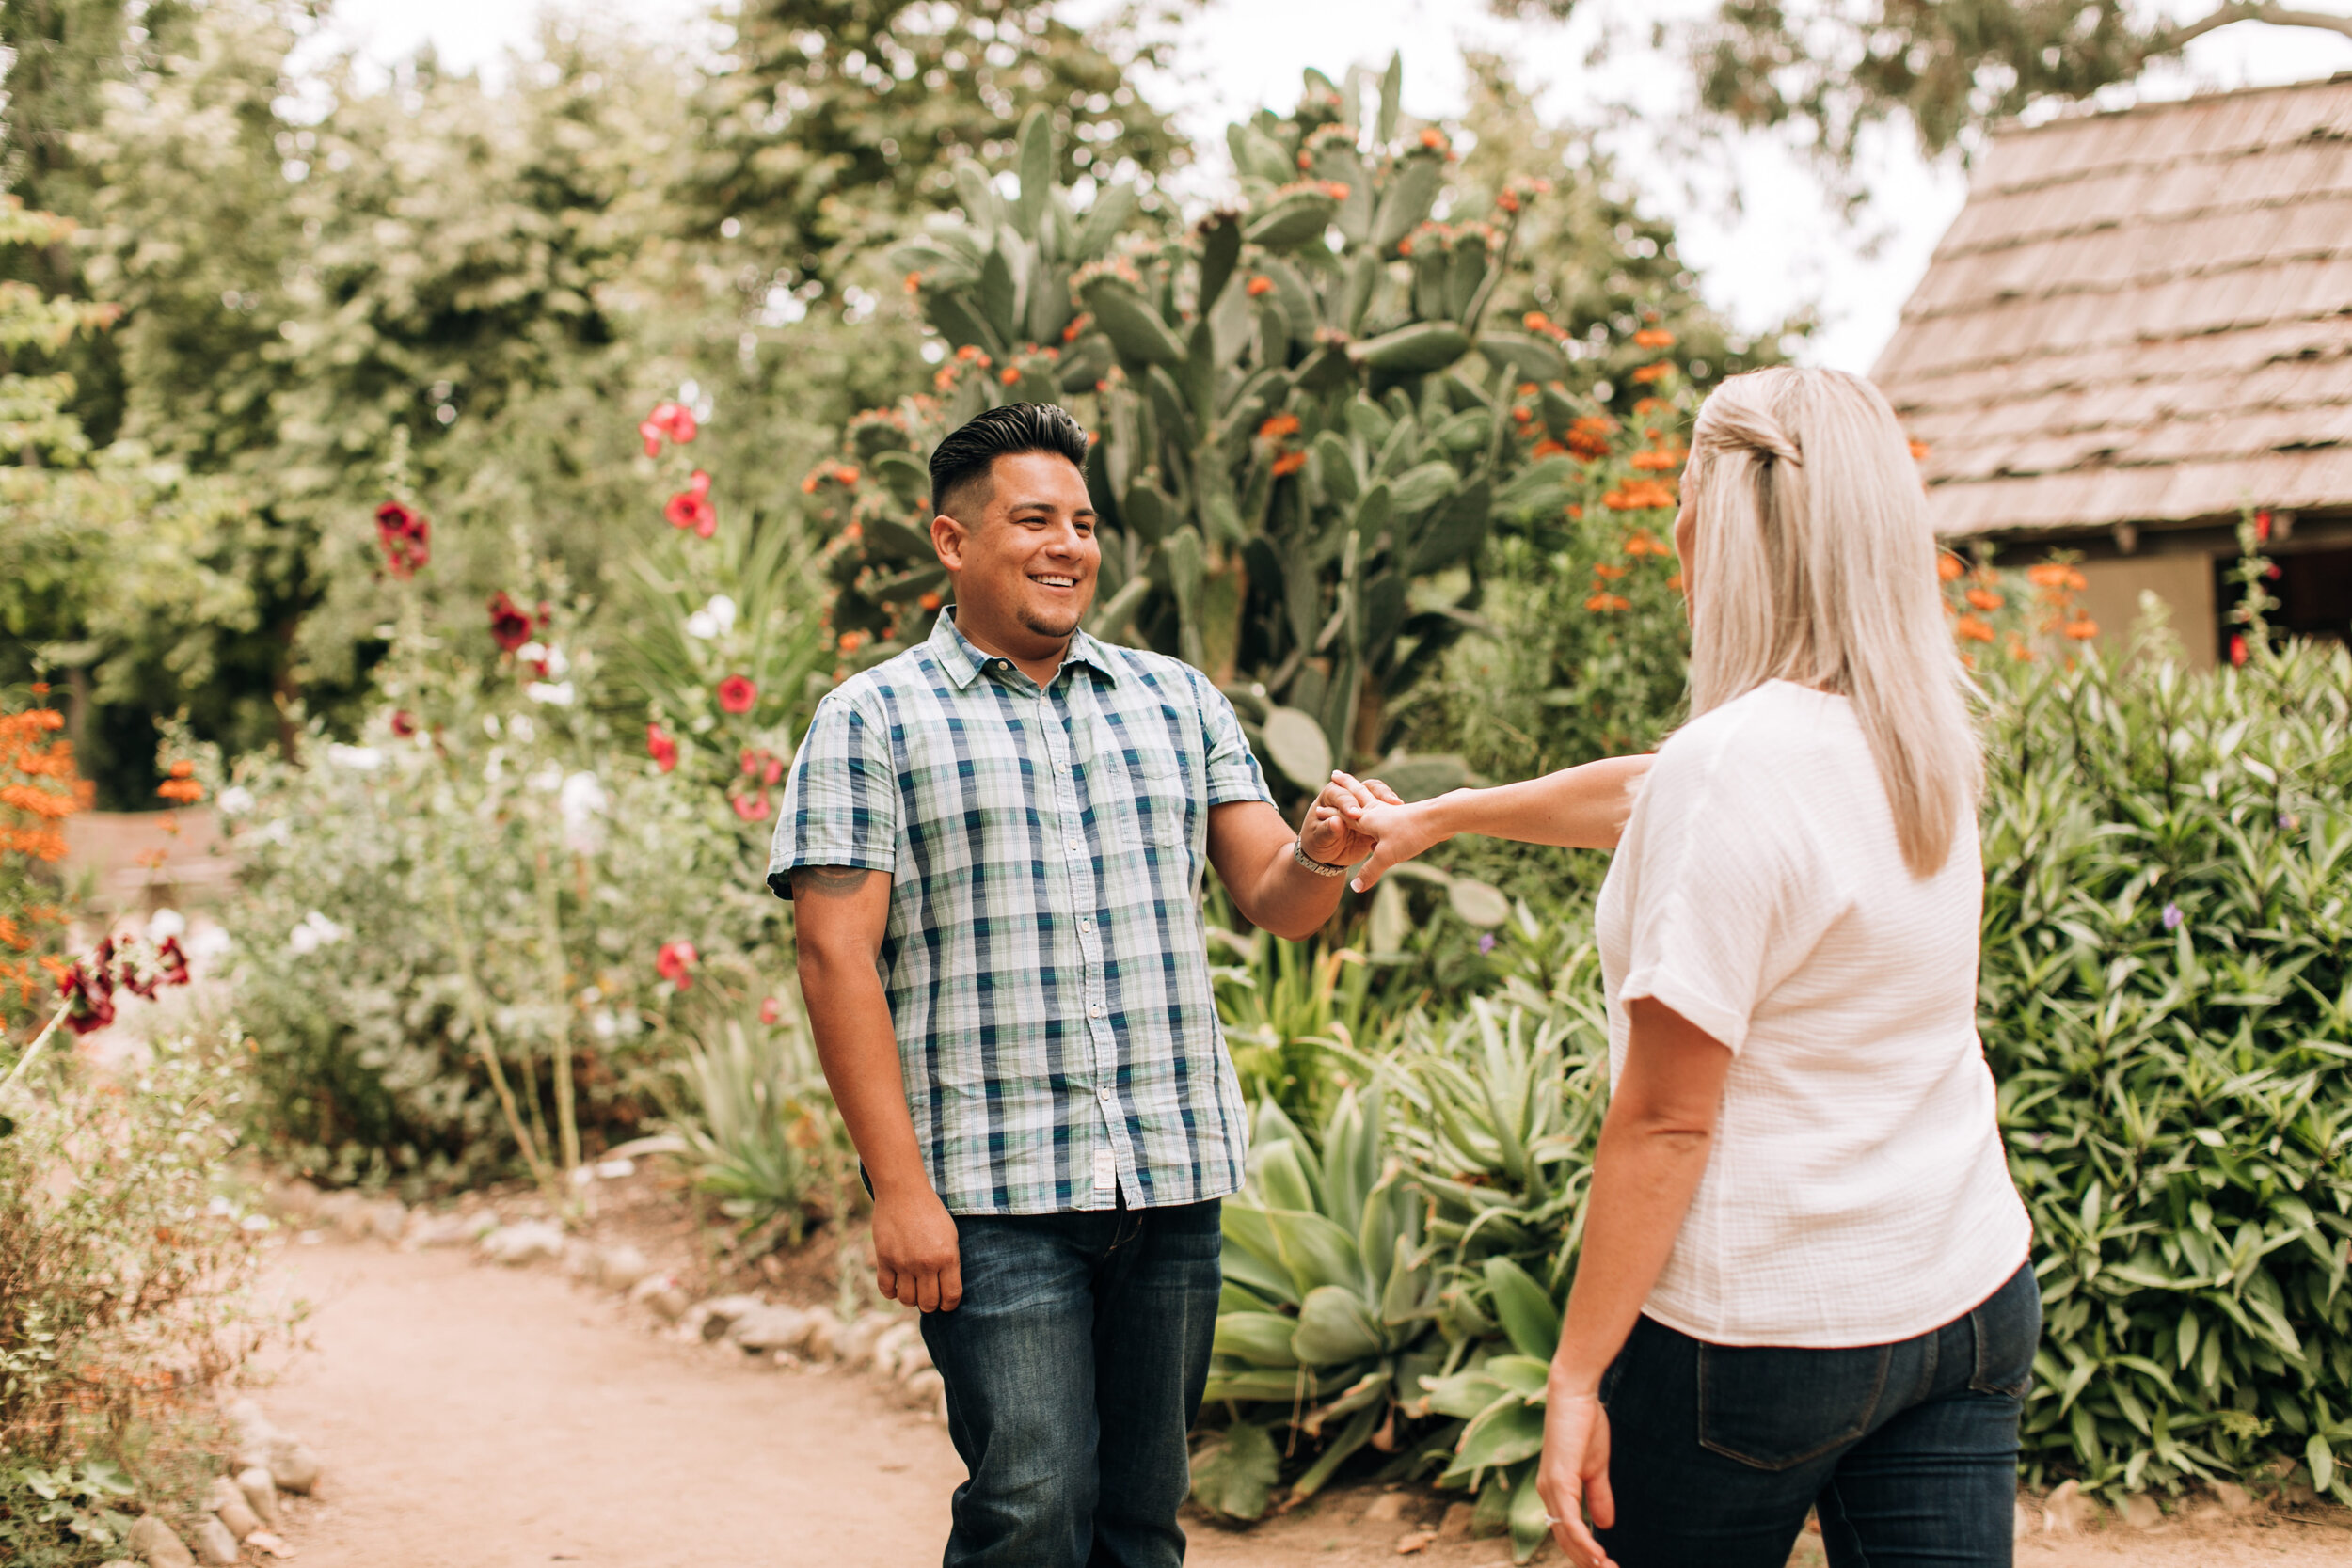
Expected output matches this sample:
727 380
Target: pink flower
770 1009
675 962
762 764
672 420
751 808
660 746
692 508
737 694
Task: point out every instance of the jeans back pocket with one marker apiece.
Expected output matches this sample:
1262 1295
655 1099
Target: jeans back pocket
2007 1327
1774 1407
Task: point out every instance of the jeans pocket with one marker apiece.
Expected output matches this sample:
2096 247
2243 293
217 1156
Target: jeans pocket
1774 1407
2008 1331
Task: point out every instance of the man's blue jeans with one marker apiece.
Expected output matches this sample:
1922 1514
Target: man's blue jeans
1908 1450
1073 1370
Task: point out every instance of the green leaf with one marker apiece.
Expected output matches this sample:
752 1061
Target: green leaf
1132 327
2322 1459
1528 358
1334 1327
1503 1433
1296 745
1528 1317
1478 903
1531 1524
1234 1474
1113 206
1037 169
1260 1339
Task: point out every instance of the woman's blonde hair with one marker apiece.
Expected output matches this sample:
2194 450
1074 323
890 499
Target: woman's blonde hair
1814 564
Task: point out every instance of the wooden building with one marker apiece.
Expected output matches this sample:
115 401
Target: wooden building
2140 326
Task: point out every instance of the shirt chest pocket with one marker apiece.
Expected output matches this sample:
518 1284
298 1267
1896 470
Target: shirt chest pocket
1151 794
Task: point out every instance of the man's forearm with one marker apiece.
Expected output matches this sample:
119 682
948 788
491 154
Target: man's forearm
851 1019
1287 898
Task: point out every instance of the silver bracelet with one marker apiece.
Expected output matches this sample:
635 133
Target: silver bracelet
1298 853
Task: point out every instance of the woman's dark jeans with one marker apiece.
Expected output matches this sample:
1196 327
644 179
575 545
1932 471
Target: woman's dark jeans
1073 1370
1909 1450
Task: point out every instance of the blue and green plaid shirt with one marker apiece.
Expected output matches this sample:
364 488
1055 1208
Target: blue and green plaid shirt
1045 964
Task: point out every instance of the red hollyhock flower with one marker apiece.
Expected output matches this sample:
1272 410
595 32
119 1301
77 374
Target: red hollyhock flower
403 723
672 420
174 963
89 994
405 537
737 694
762 764
751 808
660 746
692 508
675 962
510 628
770 1009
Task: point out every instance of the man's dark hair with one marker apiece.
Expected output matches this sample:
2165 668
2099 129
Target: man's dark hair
965 457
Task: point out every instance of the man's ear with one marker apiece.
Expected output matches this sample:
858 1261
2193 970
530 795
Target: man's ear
947 537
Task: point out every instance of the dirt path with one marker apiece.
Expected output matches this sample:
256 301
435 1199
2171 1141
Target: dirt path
480 1417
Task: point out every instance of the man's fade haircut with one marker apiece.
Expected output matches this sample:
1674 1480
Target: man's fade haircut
964 458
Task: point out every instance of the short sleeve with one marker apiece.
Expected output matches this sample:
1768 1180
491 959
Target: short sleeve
841 802
1729 893
1233 771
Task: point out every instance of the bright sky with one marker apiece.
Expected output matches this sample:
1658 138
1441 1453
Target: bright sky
1776 250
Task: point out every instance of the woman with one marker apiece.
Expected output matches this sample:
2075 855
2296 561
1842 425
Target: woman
1804 1280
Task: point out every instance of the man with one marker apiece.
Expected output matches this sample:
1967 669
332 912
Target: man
994 842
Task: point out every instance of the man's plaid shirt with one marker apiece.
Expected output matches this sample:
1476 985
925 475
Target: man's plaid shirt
1045 964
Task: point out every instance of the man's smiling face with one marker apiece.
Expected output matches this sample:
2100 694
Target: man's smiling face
1024 567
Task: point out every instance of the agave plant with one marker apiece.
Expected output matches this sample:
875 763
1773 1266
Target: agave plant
1304 418
1327 1322
1499 1396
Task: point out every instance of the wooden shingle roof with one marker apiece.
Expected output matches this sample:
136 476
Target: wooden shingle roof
2141 317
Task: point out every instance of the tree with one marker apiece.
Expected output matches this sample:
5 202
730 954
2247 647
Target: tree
1949 66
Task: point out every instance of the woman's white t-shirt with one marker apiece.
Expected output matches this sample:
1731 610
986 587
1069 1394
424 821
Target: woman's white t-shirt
1856 1193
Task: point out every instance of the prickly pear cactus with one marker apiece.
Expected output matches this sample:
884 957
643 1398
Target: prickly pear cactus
1303 416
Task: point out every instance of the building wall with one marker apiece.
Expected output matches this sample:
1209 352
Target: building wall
2183 581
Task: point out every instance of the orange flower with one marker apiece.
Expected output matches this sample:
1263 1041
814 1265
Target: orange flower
1547 448
1983 598
1523 414
1654 336
1648 373
1278 426
1257 285
1640 496
1576 511
930 600
1535 321
1642 544
1948 567
1658 461
1289 462
1010 377
2057 577
915 283
970 354
850 642
1433 139
2082 629
1603 603
2018 651
185 791
1077 324
1918 452
1645 407
1607 571
1969 628
1588 437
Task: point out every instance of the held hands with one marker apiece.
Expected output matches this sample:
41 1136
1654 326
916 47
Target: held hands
1573 1476
1330 833
916 1257
1389 831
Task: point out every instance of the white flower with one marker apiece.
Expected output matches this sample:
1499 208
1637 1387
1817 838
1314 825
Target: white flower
583 803
558 692
211 943
522 729
490 725
234 801
602 1024
548 779
557 663
163 925
702 624
722 609
531 653
359 759
314 932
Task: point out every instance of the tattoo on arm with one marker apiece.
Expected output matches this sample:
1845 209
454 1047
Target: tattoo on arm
828 881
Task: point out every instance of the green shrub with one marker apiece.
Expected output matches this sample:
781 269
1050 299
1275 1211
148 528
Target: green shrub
2167 1002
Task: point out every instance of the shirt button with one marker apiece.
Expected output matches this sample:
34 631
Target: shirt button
1073 846
1109 1098
1094 1012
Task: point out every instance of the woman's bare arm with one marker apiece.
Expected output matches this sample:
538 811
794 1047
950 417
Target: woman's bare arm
1583 807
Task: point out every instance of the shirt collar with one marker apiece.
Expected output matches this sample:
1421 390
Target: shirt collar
963 662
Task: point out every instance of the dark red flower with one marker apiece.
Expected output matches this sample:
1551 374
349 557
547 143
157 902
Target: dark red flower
174 963
660 746
89 994
737 694
510 628
675 963
403 723
405 537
